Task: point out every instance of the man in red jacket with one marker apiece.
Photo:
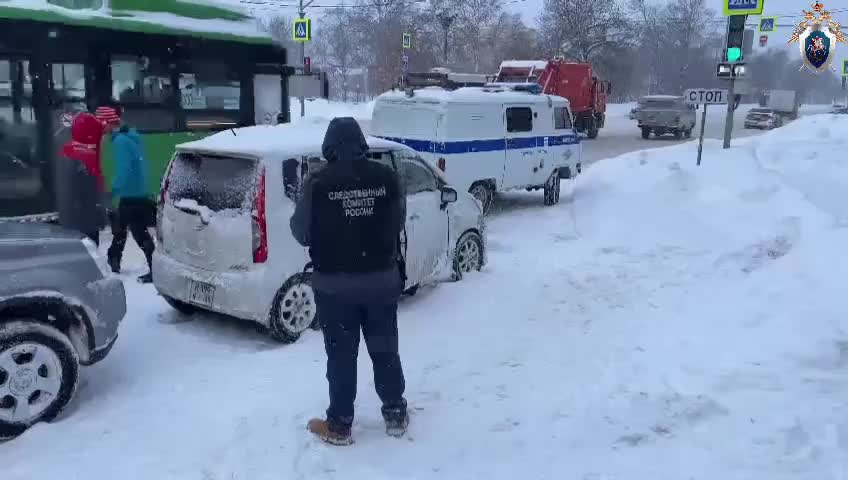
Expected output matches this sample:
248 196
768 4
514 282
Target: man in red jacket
82 190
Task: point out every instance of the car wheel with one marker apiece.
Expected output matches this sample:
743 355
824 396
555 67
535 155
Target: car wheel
468 255
39 373
484 194
180 306
552 187
678 134
688 132
294 310
646 133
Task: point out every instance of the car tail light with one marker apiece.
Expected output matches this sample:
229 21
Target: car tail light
259 224
442 165
163 191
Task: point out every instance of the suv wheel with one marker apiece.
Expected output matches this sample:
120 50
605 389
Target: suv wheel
646 133
294 310
39 373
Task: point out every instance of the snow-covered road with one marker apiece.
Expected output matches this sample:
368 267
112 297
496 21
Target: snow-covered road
686 325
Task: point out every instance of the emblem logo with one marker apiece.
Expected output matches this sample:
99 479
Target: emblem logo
817 36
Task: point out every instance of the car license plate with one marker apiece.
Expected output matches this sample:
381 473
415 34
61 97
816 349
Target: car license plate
200 292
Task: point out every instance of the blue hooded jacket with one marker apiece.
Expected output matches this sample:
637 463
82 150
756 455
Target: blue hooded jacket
130 165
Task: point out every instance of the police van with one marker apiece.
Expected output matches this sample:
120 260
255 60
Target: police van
485 139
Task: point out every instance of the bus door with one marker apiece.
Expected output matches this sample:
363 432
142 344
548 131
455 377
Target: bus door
25 174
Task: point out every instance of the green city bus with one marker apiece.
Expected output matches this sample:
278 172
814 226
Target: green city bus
179 69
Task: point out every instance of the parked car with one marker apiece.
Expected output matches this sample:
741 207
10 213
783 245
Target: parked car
223 230
662 114
60 307
764 118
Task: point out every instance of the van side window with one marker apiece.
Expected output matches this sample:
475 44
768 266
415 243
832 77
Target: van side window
416 177
562 119
519 119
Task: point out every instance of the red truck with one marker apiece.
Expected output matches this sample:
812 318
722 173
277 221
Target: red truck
574 81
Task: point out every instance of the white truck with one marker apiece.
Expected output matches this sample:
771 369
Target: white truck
784 102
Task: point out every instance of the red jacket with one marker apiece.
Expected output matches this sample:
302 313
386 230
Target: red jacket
84 146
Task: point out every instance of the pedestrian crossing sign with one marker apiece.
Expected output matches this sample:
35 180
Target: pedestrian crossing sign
302 30
407 40
768 24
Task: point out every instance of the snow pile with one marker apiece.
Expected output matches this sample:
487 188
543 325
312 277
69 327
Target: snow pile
665 321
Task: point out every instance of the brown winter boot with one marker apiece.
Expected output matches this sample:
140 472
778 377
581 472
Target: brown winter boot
321 429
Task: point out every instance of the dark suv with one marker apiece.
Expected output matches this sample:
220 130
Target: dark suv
60 307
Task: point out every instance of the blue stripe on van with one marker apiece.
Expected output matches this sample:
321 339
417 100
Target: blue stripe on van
494 145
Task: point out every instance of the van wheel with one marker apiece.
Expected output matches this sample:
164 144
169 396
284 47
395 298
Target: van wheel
468 255
646 133
688 132
294 310
678 134
484 194
552 187
39 373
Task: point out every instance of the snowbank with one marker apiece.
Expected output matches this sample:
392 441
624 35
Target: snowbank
665 321
323 109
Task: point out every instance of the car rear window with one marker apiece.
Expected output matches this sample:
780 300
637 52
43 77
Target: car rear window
215 181
659 104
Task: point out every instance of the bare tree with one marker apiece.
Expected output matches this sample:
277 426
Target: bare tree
581 29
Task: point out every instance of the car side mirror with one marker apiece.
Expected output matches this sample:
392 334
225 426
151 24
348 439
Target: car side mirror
449 195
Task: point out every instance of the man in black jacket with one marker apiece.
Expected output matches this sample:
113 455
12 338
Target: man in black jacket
350 215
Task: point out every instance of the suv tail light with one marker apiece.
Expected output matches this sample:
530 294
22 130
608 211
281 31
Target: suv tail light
259 224
442 165
163 191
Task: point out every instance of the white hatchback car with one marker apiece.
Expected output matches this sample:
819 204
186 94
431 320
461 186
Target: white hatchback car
224 242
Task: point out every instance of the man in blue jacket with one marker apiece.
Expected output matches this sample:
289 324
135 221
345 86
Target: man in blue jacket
129 188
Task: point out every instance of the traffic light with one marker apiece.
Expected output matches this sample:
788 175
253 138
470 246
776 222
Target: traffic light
307 65
735 37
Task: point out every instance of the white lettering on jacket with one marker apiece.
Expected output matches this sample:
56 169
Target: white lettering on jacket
358 202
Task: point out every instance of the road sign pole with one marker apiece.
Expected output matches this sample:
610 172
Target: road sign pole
302 14
701 136
728 122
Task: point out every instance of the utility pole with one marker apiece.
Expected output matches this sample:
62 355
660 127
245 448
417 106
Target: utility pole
301 12
446 20
728 121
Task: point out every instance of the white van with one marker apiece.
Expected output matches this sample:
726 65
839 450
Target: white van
224 241
485 139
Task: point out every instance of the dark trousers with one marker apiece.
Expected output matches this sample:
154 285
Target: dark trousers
134 215
341 320
94 235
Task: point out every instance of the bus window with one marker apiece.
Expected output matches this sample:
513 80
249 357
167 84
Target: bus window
140 80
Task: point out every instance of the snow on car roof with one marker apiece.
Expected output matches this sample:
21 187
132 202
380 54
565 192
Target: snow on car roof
269 140
437 95
539 64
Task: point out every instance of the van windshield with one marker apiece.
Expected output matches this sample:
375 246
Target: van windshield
214 181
